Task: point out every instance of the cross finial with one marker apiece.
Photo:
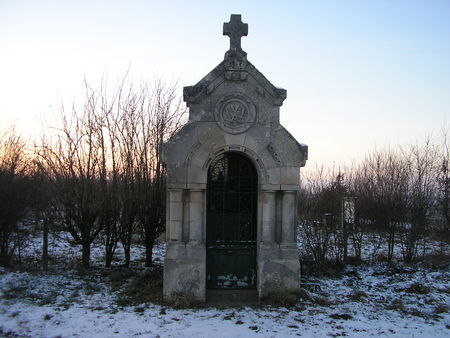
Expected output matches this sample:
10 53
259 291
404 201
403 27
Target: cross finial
235 29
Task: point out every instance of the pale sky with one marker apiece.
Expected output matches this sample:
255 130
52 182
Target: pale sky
358 74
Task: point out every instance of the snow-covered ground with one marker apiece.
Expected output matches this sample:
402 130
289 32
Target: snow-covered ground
405 301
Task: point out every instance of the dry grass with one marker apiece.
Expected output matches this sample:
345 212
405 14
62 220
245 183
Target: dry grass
418 288
143 288
357 295
441 308
280 298
397 305
344 316
322 301
184 300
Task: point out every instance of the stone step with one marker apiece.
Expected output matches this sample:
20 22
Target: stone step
233 297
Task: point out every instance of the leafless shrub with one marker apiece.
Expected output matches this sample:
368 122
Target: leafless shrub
421 162
319 212
381 184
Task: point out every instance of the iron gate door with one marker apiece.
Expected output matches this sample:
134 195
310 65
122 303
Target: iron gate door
231 222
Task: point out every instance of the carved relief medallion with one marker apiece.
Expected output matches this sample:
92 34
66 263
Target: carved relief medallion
235 113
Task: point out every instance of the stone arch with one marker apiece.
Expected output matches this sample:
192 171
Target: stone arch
199 158
242 150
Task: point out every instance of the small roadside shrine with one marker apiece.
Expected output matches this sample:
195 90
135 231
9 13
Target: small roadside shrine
232 179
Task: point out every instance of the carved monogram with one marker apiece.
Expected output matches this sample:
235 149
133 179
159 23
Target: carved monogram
235 113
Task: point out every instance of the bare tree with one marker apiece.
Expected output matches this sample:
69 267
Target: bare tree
42 197
145 118
105 169
165 116
73 161
128 136
15 193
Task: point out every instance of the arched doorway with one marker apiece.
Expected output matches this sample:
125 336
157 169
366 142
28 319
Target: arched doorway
231 222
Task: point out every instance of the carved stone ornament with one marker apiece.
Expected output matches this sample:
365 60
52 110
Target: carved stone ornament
235 113
271 149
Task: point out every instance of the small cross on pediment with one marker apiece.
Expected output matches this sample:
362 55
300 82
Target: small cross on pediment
235 29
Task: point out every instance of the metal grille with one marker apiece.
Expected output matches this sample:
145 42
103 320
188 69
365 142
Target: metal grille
231 222
232 188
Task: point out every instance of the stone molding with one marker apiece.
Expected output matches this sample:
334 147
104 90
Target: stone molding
272 151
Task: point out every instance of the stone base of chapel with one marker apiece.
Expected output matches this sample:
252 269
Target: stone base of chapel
185 272
278 269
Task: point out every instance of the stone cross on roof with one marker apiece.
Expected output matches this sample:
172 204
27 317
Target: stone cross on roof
235 29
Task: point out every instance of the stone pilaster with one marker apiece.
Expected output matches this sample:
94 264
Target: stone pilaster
288 217
175 217
268 218
267 246
196 216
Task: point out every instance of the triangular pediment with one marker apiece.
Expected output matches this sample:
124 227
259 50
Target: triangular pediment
235 68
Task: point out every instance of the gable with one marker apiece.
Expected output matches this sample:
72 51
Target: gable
234 72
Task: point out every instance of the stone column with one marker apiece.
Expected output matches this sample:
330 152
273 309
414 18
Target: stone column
288 217
196 215
268 215
175 215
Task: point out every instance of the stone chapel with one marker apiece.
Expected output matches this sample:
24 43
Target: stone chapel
233 173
